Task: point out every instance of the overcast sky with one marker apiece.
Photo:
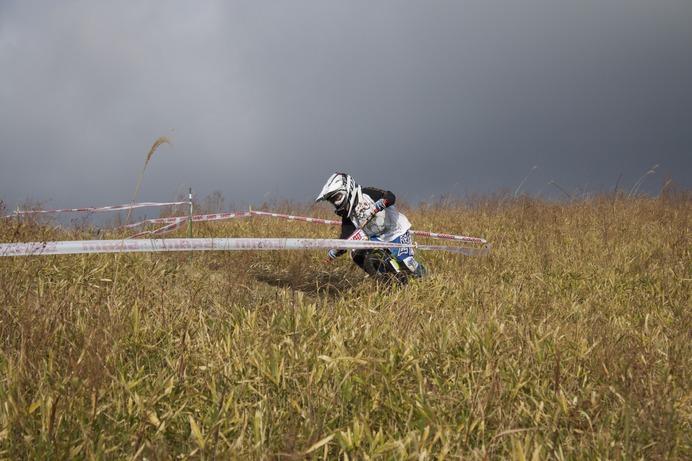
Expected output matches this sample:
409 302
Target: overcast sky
265 99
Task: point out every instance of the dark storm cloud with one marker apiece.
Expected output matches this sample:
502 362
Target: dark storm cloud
266 99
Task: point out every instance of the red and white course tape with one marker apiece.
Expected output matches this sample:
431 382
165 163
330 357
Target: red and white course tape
296 218
101 208
183 219
436 235
216 244
224 216
190 244
174 223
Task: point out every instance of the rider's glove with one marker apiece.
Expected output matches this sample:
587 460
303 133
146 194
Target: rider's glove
380 205
332 255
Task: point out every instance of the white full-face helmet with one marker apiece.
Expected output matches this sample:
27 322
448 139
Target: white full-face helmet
341 191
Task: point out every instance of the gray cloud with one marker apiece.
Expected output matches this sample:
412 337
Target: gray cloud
266 99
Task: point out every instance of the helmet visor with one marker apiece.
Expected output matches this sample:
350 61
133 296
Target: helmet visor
336 198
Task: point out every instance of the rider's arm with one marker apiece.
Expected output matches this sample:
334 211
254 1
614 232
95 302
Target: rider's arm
347 228
377 194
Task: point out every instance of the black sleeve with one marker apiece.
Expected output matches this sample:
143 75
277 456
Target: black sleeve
347 228
377 194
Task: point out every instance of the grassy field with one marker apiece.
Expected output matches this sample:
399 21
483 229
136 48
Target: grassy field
573 340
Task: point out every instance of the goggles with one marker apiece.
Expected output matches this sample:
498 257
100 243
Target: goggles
336 198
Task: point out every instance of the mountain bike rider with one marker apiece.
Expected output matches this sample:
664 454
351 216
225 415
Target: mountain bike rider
355 205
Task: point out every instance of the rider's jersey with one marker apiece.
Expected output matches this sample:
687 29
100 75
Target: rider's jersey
387 225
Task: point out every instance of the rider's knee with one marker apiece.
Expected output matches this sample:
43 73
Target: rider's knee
416 268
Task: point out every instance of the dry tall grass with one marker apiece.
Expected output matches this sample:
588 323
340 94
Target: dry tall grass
573 340
159 141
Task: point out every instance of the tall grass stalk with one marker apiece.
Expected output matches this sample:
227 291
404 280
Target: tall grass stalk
161 140
157 143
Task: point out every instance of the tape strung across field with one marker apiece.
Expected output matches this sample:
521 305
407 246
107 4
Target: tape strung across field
215 244
128 244
98 208
176 222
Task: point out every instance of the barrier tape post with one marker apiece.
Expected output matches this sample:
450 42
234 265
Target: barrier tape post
190 197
